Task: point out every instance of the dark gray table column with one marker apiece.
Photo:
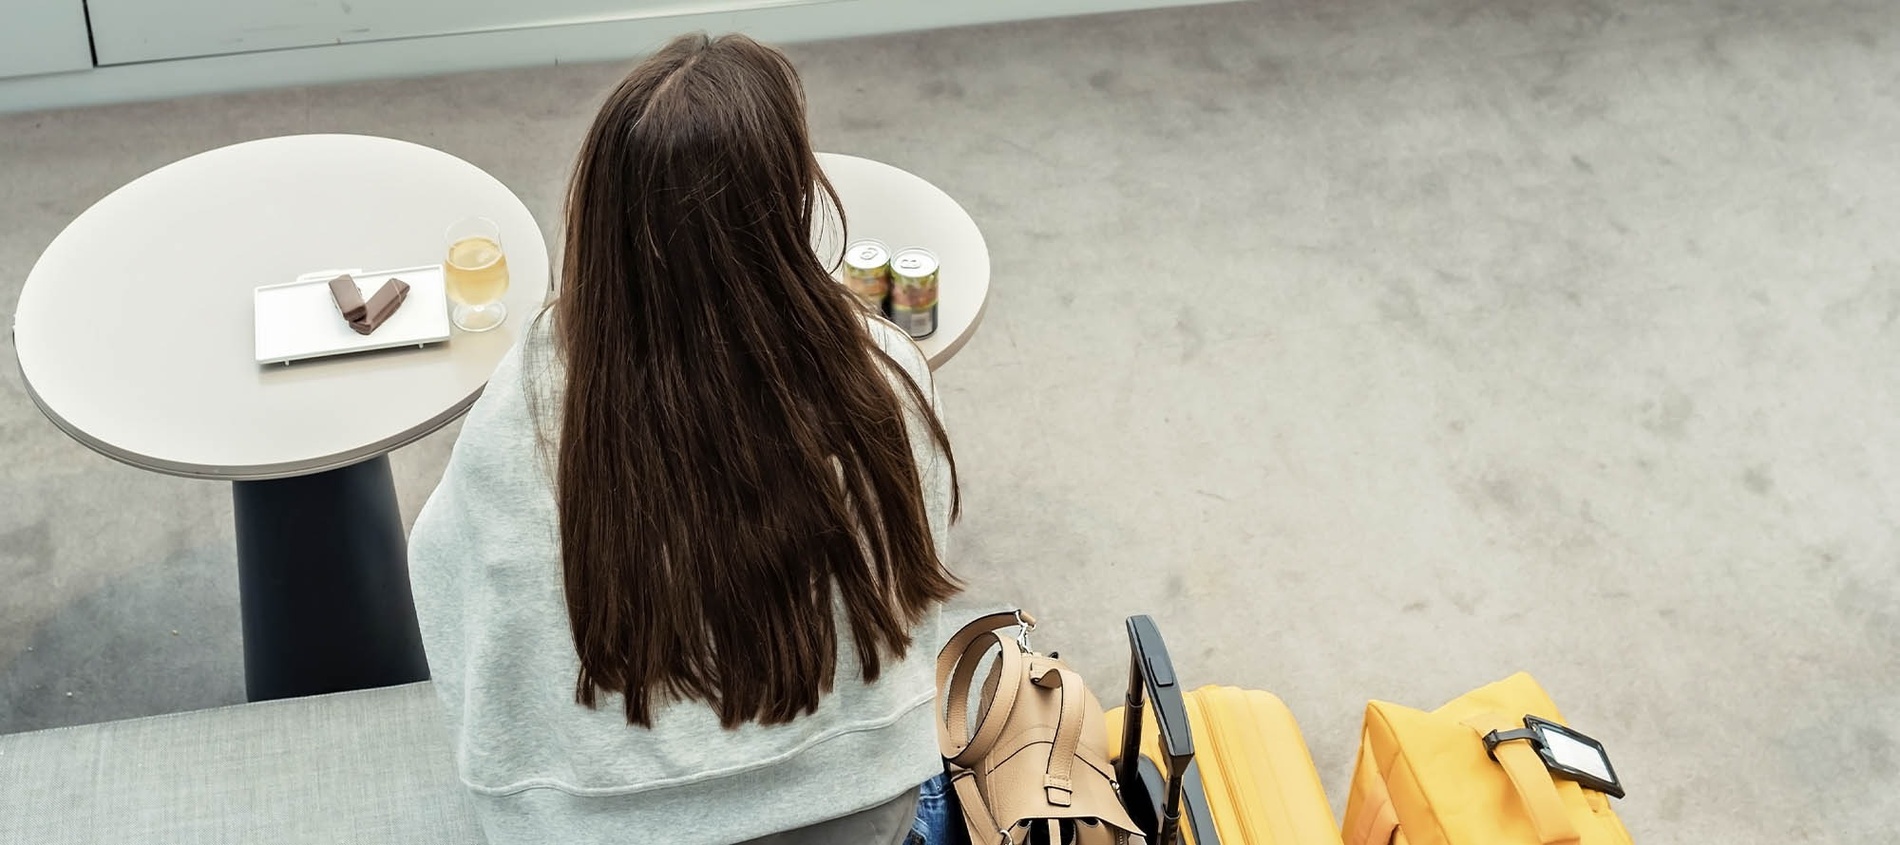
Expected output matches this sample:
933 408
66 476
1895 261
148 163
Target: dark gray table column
324 578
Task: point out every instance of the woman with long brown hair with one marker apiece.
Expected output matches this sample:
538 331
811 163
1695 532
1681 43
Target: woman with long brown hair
682 578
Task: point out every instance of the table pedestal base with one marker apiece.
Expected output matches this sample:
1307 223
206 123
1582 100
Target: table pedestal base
324 578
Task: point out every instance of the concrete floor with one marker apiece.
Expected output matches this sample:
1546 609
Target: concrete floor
1378 349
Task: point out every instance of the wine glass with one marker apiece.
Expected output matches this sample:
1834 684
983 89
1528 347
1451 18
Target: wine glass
476 274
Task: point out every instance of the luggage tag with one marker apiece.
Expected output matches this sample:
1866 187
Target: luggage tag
1566 753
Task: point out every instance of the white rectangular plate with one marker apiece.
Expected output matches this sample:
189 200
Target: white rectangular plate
299 320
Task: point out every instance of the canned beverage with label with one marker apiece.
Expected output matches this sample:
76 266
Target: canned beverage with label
867 272
914 291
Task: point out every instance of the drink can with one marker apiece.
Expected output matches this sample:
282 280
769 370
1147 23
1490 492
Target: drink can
867 272
914 291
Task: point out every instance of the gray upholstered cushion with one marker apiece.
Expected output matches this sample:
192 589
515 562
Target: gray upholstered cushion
371 766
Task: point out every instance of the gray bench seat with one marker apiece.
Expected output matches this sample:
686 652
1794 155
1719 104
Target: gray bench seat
370 766
367 767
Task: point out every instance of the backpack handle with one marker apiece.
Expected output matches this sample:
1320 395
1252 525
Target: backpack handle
957 664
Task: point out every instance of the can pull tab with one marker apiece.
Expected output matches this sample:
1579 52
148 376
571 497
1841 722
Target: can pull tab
1025 624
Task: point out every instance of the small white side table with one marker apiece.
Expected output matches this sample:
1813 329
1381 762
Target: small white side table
134 335
903 210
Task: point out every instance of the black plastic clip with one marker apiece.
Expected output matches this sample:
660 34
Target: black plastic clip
1494 738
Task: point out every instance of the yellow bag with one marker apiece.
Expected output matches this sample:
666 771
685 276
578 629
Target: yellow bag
1427 778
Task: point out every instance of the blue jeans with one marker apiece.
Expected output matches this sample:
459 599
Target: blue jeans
939 820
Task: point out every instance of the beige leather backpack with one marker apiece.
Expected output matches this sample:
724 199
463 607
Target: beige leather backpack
1035 769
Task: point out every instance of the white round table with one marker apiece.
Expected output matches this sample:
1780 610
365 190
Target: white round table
903 210
134 334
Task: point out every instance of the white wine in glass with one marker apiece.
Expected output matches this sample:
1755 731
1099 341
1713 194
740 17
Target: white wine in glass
476 274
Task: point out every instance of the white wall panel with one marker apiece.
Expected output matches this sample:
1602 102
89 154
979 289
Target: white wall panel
43 36
127 31
619 38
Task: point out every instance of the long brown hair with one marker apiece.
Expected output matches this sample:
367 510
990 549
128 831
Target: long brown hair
733 465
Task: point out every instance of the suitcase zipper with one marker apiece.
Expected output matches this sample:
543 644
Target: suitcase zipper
1229 782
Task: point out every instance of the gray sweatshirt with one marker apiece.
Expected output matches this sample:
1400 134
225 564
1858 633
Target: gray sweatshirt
484 560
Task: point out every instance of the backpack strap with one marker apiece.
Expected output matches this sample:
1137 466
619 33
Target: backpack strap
1533 782
1057 781
956 671
976 814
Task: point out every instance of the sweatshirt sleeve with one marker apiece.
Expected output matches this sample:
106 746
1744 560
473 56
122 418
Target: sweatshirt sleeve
933 466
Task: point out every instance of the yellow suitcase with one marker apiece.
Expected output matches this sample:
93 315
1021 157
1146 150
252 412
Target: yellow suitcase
1252 781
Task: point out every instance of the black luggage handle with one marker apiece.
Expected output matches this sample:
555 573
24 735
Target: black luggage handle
1151 678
